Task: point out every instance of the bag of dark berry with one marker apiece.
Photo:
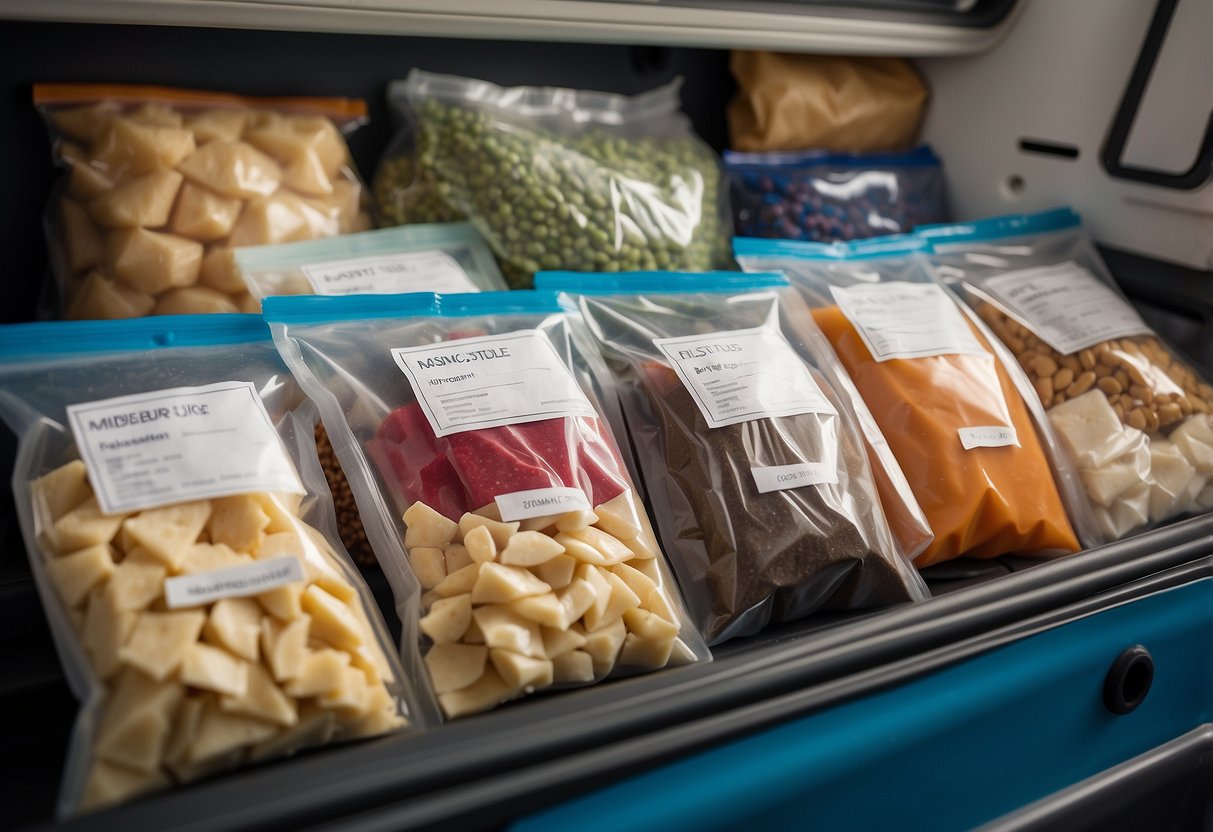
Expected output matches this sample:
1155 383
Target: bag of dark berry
822 196
474 432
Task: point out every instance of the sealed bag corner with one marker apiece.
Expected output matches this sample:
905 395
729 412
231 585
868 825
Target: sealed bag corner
475 434
758 473
183 543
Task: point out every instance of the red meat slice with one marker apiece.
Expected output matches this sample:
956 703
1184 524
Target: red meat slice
465 471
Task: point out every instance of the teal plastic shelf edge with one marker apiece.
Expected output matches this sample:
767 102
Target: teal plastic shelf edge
951 750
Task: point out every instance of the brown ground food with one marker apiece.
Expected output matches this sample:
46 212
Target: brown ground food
349 523
800 548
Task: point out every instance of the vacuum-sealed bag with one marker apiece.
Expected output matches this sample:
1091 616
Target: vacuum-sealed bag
556 178
438 257
823 196
473 432
182 540
757 471
161 184
1132 414
948 406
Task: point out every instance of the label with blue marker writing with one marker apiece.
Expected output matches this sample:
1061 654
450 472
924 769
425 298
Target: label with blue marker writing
185 443
744 374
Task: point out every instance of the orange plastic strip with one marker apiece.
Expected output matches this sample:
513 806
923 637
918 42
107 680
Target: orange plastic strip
340 109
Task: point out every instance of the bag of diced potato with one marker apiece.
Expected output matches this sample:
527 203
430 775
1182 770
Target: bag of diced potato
428 257
182 541
1132 414
476 438
950 408
161 184
757 470
556 178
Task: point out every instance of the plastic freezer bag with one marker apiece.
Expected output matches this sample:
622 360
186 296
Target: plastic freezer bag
439 257
161 184
949 408
182 541
823 196
473 432
1132 414
759 478
556 178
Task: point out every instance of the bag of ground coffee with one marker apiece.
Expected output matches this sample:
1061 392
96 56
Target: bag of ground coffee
758 473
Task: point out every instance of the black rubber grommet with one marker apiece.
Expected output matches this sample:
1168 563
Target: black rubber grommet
1128 680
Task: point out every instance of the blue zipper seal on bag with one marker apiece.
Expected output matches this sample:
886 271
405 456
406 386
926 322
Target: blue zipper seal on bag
53 338
318 309
607 283
920 157
995 228
868 248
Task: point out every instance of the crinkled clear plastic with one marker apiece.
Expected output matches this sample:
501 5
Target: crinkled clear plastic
548 597
1129 411
556 178
978 457
752 542
170 694
161 185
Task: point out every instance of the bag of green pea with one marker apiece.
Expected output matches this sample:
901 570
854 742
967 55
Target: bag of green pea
557 178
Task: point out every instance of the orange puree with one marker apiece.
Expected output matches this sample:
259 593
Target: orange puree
981 502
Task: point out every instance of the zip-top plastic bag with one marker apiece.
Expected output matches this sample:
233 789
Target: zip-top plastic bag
182 541
437 257
556 178
1131 412
473 432
823 196
948 405
161 184
757 470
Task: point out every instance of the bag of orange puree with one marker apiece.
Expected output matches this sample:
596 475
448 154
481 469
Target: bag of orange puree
946 403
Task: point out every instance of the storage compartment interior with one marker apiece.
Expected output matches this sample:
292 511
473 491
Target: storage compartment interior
982 174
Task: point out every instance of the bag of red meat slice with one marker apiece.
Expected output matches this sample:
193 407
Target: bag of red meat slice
475 435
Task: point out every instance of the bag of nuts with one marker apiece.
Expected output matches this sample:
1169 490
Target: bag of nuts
1132 414
473 429
183 543
161 185
557 178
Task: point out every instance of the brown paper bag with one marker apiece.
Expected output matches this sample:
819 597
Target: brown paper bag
801 102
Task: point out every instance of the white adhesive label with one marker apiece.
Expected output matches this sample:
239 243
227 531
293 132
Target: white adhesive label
990 436
898 319
743 375
186 443
232 582
1065 306
539 502
495 380
784 477
421 271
